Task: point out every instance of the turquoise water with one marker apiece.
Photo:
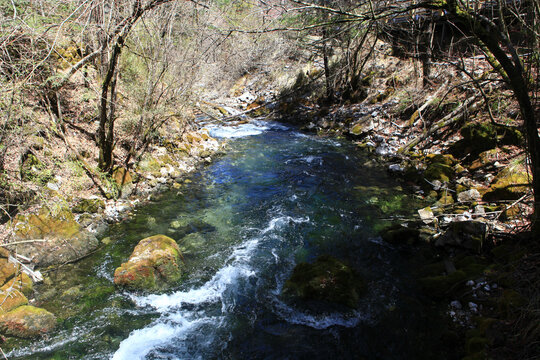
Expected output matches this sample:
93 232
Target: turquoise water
277 198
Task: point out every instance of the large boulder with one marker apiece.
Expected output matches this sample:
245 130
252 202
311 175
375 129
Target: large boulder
60 239
327 279
27 322
155 263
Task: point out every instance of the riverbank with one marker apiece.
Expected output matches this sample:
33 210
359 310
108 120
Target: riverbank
67 224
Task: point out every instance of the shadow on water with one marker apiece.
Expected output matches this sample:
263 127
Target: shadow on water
278 198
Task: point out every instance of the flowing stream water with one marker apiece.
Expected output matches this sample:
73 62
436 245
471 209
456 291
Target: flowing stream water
277 198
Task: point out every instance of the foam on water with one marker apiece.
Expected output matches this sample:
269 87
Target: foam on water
141 342
237 131
176 321
321 321
254 127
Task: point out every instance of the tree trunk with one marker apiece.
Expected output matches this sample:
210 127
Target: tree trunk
427 53
106 111
329 89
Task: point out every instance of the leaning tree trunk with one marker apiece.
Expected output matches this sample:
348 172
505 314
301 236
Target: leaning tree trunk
504 59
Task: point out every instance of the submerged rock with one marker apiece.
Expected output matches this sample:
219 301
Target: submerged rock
154 264
327 279
27 321
400 234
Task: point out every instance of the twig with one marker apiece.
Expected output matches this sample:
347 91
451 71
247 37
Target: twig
24 242
513 204
447 120
3 354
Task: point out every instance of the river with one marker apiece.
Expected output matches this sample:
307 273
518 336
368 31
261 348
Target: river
277 198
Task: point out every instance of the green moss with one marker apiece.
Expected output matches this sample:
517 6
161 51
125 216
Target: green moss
510 184
46 224
89 206
445 159
442 285
479 137
441 172
445 199
154 264
510 301
27 322
471 265
399 234
327 279
430 270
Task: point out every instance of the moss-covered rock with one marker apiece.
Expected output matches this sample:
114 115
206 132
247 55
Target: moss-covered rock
89 206
154 264
466 234
64 240
445 199
479 137
399 234
7 270
361 127
30 166
27 322
484 158
510 184
327 279
509 301
11 297
438 171
445 159
21 282
443 285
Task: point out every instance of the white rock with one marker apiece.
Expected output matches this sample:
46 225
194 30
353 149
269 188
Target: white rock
53 186
479 210
426 215
469 195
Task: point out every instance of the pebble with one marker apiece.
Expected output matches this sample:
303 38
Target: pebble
456 304
473 307
53 186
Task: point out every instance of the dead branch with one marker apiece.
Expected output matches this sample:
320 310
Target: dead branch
451 118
